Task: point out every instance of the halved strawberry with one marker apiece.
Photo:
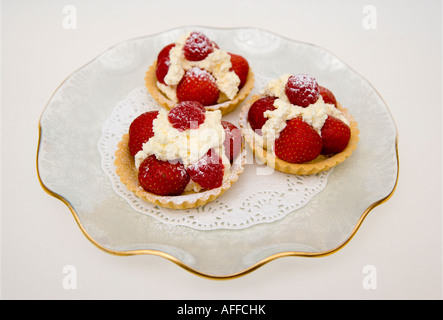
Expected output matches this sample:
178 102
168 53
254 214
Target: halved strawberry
198 85
327 95
140 131
335 135
298 142
208 171
187 115
302 90
241 68
197 47
162 178
233 140
255 114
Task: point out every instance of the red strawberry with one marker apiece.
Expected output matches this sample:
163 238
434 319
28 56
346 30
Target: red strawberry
302 90
241 68
233 140
298 142
162 178
198 85
187 115
163 63
335 135
197 47
208 171
164 53
327 95
162 69
141 131
255 114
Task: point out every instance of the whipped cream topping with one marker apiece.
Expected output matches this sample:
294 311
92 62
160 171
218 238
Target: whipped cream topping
218 63
276 88
170 144
315 114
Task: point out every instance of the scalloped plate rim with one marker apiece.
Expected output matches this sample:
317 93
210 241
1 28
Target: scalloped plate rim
171 257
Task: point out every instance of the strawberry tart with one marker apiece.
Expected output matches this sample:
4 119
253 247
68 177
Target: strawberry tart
194 68
297 126
180 158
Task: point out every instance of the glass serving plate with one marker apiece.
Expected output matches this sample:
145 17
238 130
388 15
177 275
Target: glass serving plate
69 164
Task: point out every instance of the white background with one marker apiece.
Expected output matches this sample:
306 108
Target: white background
402 239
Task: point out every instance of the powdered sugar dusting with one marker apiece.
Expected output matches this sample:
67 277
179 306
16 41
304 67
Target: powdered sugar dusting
217 63
200 74
197 47
302 90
